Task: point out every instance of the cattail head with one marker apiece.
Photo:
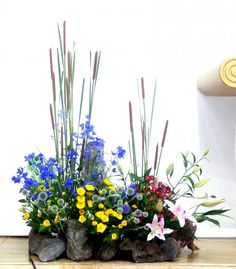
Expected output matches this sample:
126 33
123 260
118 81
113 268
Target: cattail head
164 135
95 65
142 88
130 117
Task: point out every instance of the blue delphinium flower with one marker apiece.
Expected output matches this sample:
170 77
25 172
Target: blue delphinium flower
87 130
20 174
72 155
29 183
46 172
69 183
120 152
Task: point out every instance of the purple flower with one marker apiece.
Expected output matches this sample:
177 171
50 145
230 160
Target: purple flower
126 208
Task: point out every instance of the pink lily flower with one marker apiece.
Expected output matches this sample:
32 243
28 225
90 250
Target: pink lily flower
180 213
157 229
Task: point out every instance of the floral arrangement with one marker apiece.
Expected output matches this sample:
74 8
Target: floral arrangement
80 182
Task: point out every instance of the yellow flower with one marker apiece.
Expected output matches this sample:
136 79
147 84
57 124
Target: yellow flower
124 222
80 198
90 203
107 181
101 227
89 187
134 206
99 214
114 236
101 206
112 187
80 205
82 219
46 223
94 223
120 226
26 215
109 211
80 191
81 211
119 216
89 194
56 219
104 218
100 192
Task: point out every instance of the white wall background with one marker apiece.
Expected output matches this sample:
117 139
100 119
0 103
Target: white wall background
173 41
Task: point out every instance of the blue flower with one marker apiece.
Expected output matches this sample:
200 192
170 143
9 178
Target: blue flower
16 179
29 183
120 152
46 172
72 155
126 208
29 157
69 183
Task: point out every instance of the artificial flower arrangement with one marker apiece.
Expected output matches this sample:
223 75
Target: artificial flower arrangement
110 211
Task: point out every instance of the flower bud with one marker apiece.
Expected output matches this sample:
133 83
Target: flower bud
201 183
159 206
213 202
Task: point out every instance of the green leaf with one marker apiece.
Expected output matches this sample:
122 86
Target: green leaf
215 212
185 161
22 201
201 218
147 173
196 169
194 157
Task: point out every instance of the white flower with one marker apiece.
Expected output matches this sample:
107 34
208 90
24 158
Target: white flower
157 229
180 213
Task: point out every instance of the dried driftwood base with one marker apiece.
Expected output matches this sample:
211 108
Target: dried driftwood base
79 247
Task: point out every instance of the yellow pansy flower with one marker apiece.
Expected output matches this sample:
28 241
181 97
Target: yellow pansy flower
101 227
104 218
124 222
26 215
112 187
89 187
114 236
94 223
109 211
90 203
80 191
120 226
82 219
81 211
107 181
134 206
46 223
80 198
80 205
99 214
101 206
56 219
